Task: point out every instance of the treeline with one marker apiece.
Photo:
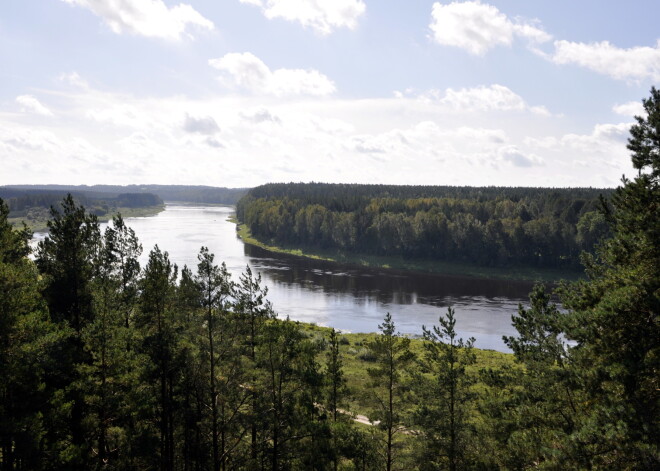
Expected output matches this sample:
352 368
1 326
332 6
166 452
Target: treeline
20 201
180 193
490 226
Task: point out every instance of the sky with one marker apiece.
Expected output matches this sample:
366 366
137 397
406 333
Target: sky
238 93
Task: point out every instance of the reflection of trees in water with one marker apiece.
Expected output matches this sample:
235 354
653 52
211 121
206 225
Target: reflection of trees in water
391 286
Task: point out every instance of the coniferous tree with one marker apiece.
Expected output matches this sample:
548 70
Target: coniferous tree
614 316
392 356
66 259
545 393
159 328
253 310
445 397
26 339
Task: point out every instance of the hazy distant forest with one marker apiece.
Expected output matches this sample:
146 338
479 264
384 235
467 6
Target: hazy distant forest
108 365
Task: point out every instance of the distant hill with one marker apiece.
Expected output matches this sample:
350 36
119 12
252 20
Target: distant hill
181 193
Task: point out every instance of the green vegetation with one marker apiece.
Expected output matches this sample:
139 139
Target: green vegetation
180 193
420 265
492 228
32 207
37 219
108 365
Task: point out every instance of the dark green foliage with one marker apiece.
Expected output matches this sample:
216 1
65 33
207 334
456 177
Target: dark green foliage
485 226
392 357
26 339
443 390
181 193
614 316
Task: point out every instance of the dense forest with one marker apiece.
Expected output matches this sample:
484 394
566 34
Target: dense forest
493 226
179 193
109 365
33 205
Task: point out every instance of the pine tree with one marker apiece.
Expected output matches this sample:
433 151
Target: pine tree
392 356
160 328
26 339
66 259
615 320
445 396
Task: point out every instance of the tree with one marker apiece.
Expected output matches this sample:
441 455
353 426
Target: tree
26 339
254 310
392 356
215 289
544 398
614 315
159 328
66 259
336 385
445 396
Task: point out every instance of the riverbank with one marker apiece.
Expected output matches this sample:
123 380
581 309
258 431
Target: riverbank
40 224
423 266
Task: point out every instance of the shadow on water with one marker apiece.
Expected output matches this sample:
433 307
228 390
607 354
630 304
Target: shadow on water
387 286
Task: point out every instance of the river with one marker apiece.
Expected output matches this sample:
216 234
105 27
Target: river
346 297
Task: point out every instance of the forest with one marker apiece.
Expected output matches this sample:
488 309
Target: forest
30 203
109 365
179 193
492 226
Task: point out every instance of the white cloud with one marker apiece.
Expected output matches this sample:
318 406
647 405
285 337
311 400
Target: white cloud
200 125
151 18
30 104
175 139
322 15
515 157
261 115
74 79
478 27
632 108
478 99
633 64
247 71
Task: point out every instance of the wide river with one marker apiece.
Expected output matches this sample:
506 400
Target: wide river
346 297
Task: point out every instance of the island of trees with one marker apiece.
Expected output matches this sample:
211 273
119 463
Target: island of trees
105 364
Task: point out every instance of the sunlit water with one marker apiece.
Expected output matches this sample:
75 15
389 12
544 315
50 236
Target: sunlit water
346 297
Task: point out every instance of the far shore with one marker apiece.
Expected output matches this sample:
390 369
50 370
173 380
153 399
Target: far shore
423 266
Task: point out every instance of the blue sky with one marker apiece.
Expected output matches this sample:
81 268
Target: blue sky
243 92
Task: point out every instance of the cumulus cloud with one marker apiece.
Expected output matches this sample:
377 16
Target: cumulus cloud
632 108
478 27
323 16
633 64
245 70
150 18
200 125
30 104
